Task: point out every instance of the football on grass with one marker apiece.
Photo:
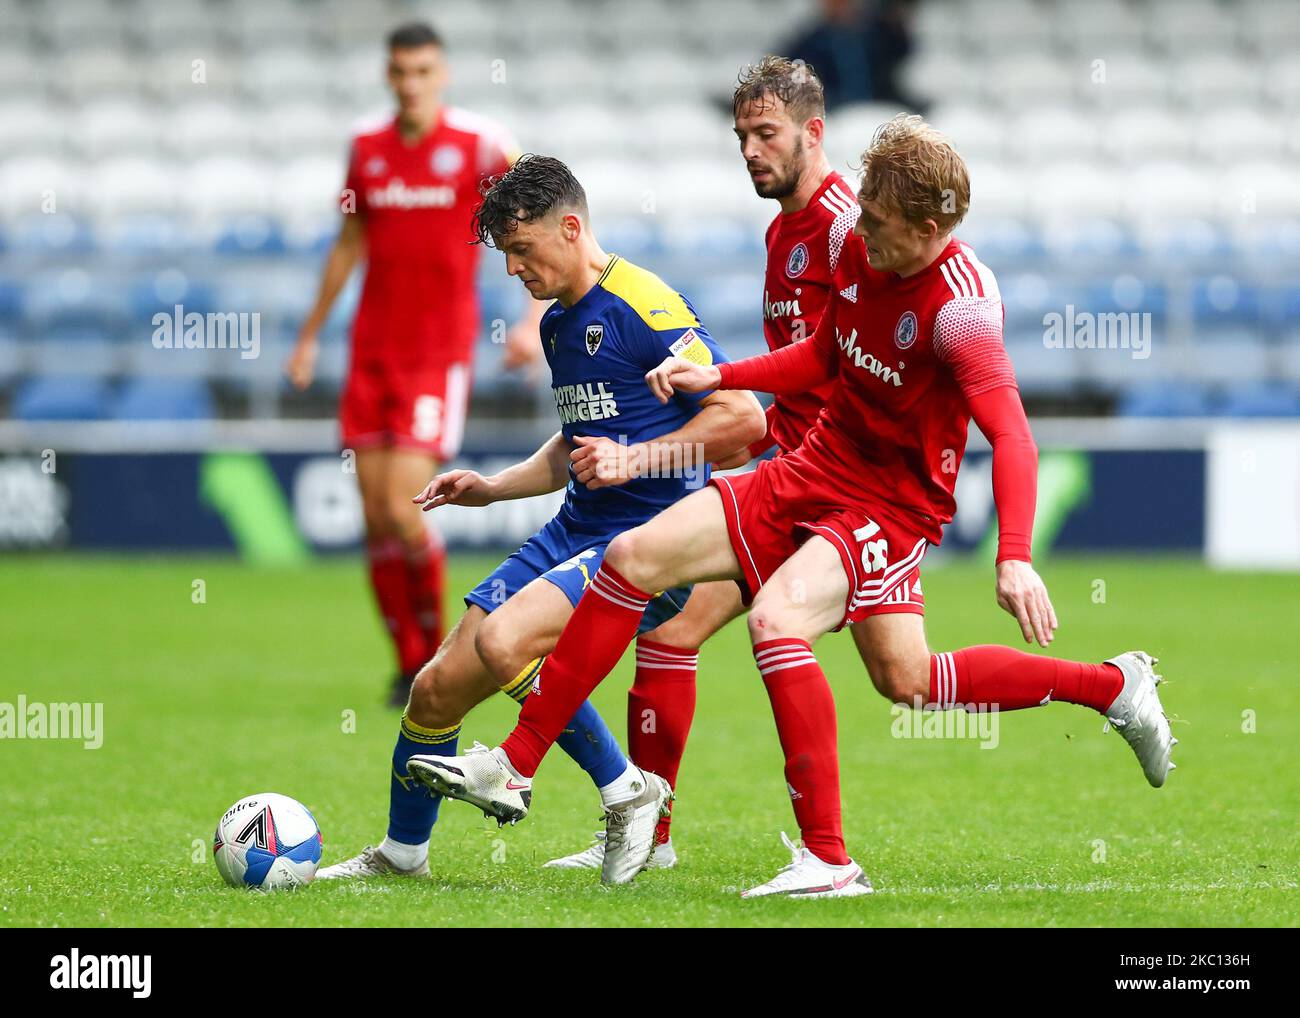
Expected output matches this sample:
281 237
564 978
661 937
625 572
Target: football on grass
267 841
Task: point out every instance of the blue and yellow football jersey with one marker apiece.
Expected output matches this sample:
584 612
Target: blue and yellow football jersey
599 351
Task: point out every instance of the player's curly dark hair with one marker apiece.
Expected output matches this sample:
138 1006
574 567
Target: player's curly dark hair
533 187
794 82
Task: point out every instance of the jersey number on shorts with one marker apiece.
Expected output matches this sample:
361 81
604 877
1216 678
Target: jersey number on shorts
427 419
875 554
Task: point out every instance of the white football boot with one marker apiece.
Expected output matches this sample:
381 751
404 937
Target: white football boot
630 830
809 877
479 778
593 857
370 863
1137 715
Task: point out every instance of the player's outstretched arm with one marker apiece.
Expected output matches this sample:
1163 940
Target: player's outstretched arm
677 374
342 259
968 338
792 369
544 471
726 422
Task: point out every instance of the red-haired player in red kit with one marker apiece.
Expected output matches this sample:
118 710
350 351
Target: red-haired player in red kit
412 186
835 531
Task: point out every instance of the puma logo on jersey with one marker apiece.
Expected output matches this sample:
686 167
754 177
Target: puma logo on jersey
780 308
862 359
850 293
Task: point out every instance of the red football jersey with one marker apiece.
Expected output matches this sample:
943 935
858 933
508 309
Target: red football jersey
803 249
418 302
907 354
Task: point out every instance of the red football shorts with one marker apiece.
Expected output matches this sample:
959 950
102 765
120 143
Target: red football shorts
771 511
421 409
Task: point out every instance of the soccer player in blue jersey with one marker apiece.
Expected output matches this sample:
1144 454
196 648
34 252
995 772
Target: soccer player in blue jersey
621 456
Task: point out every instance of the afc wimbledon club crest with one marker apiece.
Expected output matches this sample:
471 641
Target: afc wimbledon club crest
595 333
905 331
797 262
446 160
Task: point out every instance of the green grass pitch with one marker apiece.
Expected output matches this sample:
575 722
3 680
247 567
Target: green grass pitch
248 692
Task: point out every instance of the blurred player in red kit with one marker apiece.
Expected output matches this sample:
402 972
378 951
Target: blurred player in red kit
412 186
834 532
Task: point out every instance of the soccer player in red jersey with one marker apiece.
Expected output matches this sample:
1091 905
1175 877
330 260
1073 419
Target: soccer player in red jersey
412 186
834 532
780 121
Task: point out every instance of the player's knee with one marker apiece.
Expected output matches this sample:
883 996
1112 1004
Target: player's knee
768 622
375 513
499 649
402 515
629 554
901 679
430 706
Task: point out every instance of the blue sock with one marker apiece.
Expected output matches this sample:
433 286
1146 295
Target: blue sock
586 738
413 808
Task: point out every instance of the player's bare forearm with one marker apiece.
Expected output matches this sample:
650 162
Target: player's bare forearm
339 263
544 471
726 424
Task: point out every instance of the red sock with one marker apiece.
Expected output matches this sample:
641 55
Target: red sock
660 708
1011 680
805 721
598 632
388 578
426 566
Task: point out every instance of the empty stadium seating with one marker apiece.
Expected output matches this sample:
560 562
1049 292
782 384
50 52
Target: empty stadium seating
1126 156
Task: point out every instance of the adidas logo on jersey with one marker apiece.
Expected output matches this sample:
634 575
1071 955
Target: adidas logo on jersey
850 293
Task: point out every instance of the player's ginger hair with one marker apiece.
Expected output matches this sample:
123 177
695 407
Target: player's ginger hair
913 169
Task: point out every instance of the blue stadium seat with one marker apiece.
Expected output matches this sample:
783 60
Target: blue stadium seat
1186 241
41 234
636 239
1261 399
1166 399
1003 241
74 301
141 235
1090 240
1224 300
69 398
250 235
11 300
174 399
164 290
